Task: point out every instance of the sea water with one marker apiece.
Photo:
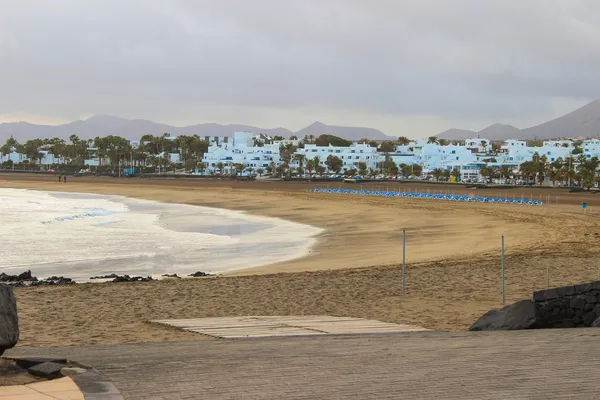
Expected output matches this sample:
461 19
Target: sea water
83 235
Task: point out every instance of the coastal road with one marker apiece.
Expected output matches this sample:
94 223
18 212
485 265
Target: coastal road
541 364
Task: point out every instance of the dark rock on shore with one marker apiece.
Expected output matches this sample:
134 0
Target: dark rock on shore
170 276
53 280
127 278
199 274
111 276
25 276
9 320
520 315
26 280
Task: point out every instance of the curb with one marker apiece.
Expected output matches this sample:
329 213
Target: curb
95 386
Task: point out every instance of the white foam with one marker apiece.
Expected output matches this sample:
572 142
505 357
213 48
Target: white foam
79 236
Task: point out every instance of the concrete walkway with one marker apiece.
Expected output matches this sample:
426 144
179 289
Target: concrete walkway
549 364
58 389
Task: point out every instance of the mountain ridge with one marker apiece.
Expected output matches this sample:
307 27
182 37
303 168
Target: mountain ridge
582 122
103 125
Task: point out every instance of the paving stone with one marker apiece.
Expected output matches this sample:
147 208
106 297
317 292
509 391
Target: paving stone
48 370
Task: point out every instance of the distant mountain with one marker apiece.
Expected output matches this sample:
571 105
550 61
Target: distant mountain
581 123
103 125
499 132
349 133
456 134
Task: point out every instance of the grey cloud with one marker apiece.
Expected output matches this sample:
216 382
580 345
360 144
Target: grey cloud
461 59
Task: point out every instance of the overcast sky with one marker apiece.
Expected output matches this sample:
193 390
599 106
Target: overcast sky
407 67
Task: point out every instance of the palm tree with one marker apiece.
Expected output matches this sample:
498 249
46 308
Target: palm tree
487 172
455 173
588 169
527 170
505 172
300 158
260 171
316 162
484 144
437 173
239 168
405 170
432 140
310 166
403 141
219 167
443 142
362 168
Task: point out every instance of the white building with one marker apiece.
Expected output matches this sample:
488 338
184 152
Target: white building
242 150
351 155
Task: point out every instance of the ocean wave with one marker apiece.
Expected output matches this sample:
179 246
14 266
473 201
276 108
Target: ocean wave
91 214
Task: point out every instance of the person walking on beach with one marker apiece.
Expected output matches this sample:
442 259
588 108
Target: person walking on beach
59 178
65 179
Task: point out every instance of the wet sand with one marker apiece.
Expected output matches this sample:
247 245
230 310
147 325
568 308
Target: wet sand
452 254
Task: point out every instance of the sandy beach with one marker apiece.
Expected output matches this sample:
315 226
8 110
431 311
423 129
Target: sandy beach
452 254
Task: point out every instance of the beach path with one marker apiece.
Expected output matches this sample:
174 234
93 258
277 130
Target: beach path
548 364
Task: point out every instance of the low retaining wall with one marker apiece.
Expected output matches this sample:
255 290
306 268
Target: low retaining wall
568 306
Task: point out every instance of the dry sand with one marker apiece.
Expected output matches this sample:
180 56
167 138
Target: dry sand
452 251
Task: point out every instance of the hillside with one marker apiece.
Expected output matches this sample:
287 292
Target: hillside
350 133
581 123
103 125
456 134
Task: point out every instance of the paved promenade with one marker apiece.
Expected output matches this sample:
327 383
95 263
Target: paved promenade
549 364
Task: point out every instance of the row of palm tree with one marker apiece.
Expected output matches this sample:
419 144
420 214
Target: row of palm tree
574 171
113 151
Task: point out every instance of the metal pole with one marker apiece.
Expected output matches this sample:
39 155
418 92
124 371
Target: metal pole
502 269
403 262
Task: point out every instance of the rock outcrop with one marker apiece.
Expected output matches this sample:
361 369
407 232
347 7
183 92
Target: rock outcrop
520 315
9 320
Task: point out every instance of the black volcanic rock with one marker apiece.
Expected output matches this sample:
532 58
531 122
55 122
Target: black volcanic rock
199 274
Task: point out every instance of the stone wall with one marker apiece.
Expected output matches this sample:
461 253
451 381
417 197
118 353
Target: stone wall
568 306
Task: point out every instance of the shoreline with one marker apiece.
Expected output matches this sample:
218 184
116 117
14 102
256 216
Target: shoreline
214 240
351 237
